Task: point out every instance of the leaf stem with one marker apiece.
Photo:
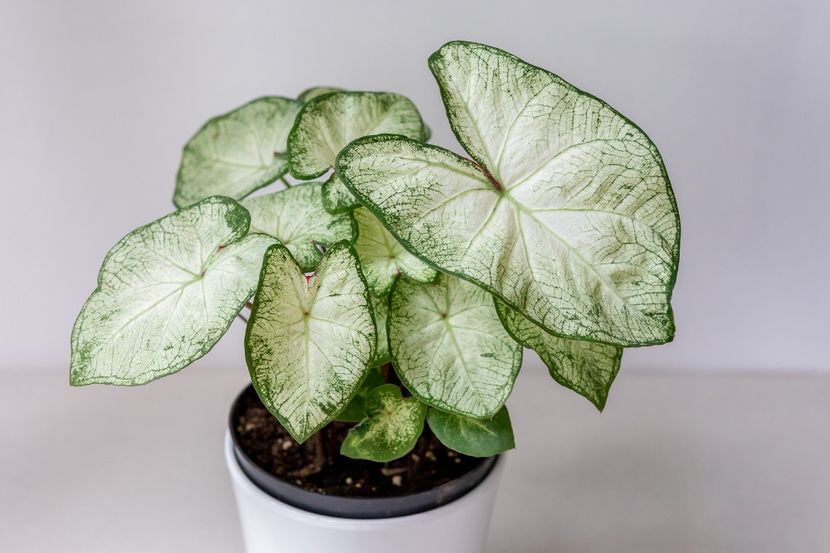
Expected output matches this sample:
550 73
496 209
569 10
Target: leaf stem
285 182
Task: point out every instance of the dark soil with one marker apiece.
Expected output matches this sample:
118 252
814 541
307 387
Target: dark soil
317 465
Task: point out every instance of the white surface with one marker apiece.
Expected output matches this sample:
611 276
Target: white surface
269 525
98 96
676 464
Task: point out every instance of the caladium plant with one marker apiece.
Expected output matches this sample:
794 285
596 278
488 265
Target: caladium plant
401 289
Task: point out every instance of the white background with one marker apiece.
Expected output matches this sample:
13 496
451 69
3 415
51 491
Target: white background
97 98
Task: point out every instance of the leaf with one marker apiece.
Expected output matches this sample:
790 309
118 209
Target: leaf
380 306
327 123
309 94
309 340
449 347
383 259
588 368
295 216
391 428
355 411
166 293
336 197
567 214
238 152
474 437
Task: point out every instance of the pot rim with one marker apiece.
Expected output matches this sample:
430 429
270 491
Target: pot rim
353 507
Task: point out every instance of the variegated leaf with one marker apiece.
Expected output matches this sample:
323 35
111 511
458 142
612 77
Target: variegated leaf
166 293
391 428
309 339
383 259
588 368
567 213
336 197
474 437
295 216
449 347
238 152
329 122
309 94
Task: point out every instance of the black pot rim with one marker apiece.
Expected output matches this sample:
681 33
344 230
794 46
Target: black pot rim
354 507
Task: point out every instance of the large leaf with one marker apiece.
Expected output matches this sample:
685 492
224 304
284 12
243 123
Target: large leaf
474 437
383 258
166 293
309 340
329 122
567 213
295 216
449 347
588 368
391 428
238 152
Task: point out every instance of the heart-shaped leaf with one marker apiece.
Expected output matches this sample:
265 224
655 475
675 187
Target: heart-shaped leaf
383 259
329 122
474 437
309 340
295 216
391 428
238 152
166 293
588 368
449 347
567 213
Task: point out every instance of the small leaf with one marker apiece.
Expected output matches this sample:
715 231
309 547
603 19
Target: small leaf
588 368
326 124
295 216
355 411
474 437
309 94
309 340
391 428
166 293
336 197
567 213
238 152
449 347
380 307
383 259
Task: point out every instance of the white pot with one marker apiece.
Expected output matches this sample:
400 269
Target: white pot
271 526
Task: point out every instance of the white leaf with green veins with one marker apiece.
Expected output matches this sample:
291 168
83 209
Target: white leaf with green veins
391 428
383 258
295 216
166 293
567 213
449 347
329 122
309 340
588 368
237 152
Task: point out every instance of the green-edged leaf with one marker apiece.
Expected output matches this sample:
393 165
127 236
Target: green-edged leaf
567 214
449 347
383 259
336 197
326 124
474 437
309 340
381 310
166 293
355 411
309 94
391 428
295 216
238 152
588 368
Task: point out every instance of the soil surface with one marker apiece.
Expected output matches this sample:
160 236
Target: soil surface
317 465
